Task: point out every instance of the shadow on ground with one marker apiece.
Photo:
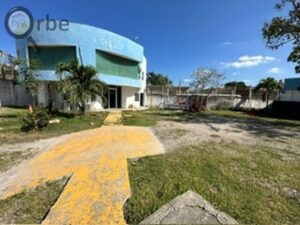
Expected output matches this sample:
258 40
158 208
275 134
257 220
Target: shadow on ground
254 126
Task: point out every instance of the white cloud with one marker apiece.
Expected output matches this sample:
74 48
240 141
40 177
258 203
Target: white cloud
249 61
187 80
235 73
226 43
274 70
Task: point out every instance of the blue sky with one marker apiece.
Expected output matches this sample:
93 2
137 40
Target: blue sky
178 35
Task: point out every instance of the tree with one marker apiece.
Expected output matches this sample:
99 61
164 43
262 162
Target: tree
204 78
30 79
19 72
51 86
268 86
8 67
5 71
237 84
158 79
283 30
79 83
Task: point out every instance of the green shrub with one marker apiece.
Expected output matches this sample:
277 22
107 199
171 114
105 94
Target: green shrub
36 120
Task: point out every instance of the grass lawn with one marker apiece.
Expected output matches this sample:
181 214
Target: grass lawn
31 207
152 116
149 117
11 122
253 185
8 159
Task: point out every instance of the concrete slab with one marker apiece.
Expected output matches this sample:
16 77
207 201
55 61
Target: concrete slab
188 208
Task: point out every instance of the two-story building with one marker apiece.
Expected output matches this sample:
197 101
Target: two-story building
120 63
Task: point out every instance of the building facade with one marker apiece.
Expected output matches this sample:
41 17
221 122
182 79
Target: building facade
120 63
291 91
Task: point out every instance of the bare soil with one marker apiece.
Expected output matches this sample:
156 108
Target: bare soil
243 131
34 148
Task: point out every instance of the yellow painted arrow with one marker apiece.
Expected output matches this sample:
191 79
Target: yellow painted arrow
97 161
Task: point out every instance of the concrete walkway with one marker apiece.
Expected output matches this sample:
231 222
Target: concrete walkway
189 208
96 160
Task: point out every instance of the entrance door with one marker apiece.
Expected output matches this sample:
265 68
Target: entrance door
112 98
142 99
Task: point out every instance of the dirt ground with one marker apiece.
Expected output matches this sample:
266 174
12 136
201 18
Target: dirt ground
224 129
35 148
192 131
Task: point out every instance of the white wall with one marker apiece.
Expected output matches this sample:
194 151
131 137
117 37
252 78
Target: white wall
128 97
144 79
250 104
159 101
128 93
96 105
292 95
143 66
236 102
6 93
13 95
42 94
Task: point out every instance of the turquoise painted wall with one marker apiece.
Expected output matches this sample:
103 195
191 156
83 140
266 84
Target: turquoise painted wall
87 39
291 84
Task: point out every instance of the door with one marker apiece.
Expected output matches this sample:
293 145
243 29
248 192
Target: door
112 98
142 99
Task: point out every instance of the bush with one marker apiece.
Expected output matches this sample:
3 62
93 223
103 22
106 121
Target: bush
35 121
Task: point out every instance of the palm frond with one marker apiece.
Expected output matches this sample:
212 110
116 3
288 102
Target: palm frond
80 84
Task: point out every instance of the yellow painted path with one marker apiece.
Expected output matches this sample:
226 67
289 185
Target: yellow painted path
96 160
113 118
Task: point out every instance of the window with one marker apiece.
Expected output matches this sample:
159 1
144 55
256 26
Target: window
110 64
143 75
49 57
136 97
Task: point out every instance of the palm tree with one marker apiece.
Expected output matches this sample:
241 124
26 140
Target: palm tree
78 83
268 85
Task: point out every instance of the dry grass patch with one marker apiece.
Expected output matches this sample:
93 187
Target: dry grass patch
9 159
31 206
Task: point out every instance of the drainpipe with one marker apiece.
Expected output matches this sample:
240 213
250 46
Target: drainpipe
80 56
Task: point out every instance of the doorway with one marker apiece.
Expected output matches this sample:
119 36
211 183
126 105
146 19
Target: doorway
142 99
112 98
